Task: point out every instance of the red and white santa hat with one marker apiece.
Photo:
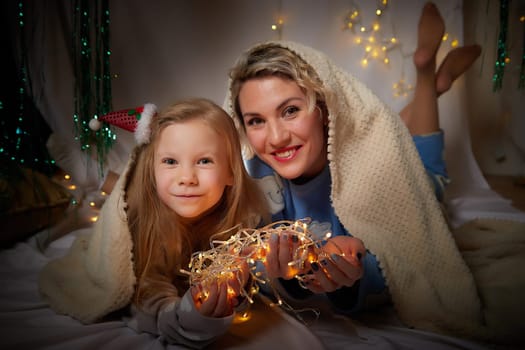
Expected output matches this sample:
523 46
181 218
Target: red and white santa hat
136 120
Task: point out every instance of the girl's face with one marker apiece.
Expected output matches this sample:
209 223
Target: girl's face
280 129
191 168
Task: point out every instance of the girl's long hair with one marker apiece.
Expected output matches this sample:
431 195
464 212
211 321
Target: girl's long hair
164 241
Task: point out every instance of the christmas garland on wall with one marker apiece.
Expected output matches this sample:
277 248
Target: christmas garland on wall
23 129
91 67
503 50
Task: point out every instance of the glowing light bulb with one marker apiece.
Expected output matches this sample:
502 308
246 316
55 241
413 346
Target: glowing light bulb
364 62
67 177
94 218
91 204
445 37
454 43
241 317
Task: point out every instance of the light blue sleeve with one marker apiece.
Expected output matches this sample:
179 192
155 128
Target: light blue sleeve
431 150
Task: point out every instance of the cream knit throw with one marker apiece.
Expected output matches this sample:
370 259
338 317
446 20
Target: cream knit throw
381 193
96 276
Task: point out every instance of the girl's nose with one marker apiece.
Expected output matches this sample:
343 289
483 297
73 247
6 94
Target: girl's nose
187 176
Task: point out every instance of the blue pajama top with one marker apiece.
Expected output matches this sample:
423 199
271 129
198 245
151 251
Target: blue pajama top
312 200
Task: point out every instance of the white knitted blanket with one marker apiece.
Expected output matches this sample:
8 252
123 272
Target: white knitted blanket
96 276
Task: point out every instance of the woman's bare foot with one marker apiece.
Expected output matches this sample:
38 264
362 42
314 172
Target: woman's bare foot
457 62
431 28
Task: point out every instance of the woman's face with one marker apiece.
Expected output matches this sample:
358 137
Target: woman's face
280 129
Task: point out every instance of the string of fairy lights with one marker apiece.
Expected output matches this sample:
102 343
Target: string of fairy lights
223 261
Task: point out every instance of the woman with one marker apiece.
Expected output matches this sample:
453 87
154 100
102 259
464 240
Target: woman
323 146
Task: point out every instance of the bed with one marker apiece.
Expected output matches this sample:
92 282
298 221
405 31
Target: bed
26 322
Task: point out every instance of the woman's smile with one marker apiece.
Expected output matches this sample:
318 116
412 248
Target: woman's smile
286 154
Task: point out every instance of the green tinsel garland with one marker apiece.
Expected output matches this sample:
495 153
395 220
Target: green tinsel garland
91 64
499 67
23 130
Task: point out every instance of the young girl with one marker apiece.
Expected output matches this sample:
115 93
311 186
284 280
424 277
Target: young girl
185 182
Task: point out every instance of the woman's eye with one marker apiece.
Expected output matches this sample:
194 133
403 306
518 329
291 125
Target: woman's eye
254 122
290 111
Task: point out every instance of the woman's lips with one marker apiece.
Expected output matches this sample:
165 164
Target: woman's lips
286 154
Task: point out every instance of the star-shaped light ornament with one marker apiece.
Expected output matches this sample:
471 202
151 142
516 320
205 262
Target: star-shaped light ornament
376 45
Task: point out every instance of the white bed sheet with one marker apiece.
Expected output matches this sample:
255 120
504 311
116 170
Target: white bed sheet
26 322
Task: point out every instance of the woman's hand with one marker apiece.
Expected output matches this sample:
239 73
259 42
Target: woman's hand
219 299
280 252
339 265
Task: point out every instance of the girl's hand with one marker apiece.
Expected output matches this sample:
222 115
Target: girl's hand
212 301
220 298
279 253
339 265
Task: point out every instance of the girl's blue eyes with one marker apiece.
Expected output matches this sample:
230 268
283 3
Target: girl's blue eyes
170 161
